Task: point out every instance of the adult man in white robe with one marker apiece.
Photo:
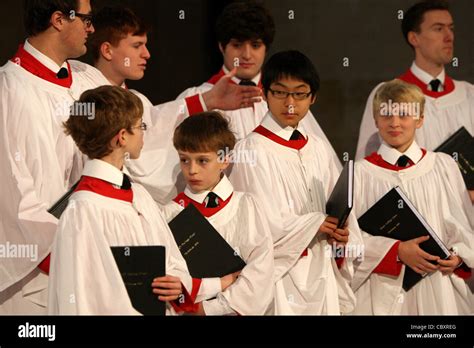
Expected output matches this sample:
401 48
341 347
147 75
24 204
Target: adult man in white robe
292 177
245 31
434 185
120 54
428 29
39 162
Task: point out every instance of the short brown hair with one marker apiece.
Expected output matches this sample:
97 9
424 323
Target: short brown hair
204 132
112 24
114 108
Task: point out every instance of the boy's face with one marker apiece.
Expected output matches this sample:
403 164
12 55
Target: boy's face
247 55
289 111
435 41
398 131
130 57
135 140
201 170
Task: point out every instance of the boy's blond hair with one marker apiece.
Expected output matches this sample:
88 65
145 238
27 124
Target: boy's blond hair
398 91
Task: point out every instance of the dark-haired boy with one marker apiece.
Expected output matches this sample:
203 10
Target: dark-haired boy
292 177
245 31
204 143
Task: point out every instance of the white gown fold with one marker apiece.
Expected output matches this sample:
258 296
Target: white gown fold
39 163
436 188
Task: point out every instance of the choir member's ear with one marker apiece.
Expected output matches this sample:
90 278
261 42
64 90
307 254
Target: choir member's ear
313 98
119 140
419 121
225 163
221 48
106 51
57 20
413 39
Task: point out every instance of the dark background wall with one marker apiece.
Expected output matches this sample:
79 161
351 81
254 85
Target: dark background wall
367 32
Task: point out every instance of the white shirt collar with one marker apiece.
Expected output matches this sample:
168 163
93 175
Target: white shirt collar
223 189
43 59
391 155
427 78
255 80
269 123
102 170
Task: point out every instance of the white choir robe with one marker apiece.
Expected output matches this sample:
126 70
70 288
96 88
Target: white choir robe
243 225
39 164
292 185
436 188
157 169
444 115
243 121
84 278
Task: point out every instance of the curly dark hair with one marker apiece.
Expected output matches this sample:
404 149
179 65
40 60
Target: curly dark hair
245 20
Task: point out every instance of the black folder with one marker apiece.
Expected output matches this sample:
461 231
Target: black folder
460 146
139 265
207 254
58 208
394 216
339 204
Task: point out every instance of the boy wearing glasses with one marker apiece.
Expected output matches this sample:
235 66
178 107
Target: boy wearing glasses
245 30
39 163
292 177
107 209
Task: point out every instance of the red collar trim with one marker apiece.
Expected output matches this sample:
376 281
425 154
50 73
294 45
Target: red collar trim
376 159
409 77
214 79
34 66
294 144
184 201
104 188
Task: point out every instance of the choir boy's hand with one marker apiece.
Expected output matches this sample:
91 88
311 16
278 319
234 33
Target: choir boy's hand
168 288
448 266
410 253
328 226
340 236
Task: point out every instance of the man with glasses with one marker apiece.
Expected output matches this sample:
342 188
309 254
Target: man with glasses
39 162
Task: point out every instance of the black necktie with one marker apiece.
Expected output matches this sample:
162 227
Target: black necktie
247 83
126 185
296 135
212 200
62 74
402 161
435 85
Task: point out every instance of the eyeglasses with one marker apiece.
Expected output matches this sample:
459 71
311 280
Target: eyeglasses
295 95
142 126
87 19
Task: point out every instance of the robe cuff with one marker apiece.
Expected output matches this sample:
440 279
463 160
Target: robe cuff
195 104
44 265
463 271
186 302
390 265
218 306
209 288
